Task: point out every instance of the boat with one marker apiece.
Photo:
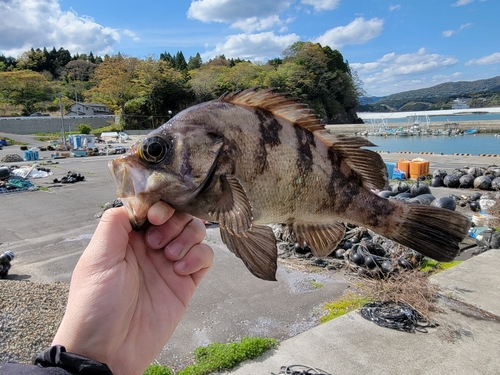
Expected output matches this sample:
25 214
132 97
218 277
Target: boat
379 128
416 127
470 131
401 132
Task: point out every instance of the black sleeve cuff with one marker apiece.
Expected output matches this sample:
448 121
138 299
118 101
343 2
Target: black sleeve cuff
57 356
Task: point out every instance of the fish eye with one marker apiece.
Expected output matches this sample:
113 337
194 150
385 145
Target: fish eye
154 149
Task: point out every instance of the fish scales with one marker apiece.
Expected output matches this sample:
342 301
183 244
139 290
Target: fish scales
256 157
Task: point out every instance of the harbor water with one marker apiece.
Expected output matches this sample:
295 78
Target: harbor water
476 144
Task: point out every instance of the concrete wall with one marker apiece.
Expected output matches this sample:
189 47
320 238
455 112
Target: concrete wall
50 124
489 126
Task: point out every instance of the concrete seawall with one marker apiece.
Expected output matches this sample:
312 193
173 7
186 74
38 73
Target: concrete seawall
490 126
50 124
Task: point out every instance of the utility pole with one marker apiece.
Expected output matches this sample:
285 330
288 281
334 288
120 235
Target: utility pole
63 136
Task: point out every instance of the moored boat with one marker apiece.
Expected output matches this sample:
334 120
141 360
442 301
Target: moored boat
470 131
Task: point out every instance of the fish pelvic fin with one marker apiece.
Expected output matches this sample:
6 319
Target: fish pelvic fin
233 211
322 239
432 231
279 104
256 248
367 164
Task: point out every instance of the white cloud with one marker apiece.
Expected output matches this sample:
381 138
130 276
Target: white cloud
396 73
448 33
395 7
462 2
440 78
30 24
132 35
248 15
358 31
322 5
254 47
252 24
494 58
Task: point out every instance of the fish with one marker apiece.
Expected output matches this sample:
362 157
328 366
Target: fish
258 157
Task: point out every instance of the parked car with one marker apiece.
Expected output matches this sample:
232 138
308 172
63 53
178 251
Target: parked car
123 135
107 150
120 150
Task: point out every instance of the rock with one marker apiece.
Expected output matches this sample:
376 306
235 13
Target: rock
12 158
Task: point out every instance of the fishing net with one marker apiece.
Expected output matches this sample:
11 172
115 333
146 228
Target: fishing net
300 370
395 315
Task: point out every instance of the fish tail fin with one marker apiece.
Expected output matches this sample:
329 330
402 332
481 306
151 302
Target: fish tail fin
432 231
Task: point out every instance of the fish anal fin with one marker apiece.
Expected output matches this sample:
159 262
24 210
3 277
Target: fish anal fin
368 164
233 210
256 248
321 238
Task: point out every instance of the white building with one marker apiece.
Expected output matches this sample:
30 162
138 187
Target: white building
89 109
459 104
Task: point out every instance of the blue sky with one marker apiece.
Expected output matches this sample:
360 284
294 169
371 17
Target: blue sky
393 46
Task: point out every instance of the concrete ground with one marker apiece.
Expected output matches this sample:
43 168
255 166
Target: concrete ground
466 341
48 230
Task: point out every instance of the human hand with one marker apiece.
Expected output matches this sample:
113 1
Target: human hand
130 289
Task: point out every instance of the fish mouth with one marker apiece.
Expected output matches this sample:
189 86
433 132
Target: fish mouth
134 209
131 183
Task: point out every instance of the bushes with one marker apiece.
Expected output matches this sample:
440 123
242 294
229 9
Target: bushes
84 129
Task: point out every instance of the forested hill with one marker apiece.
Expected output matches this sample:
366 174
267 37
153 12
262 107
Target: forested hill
482 93
450 89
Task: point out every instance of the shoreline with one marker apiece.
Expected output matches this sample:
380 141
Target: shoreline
486 126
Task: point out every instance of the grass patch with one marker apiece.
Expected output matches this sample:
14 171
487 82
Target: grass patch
13 142
343 305
315 284
221 357
43 188
158 370
431 265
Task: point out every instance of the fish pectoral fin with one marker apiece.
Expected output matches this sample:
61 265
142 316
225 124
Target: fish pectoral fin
321 238
256 248
233 210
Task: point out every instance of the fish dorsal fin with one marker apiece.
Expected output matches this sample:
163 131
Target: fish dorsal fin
279 104
366 163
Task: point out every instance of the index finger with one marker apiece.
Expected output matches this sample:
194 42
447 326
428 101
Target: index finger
159 213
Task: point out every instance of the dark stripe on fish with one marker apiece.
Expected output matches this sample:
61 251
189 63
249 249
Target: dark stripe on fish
186 168
305 140
342 188
269 129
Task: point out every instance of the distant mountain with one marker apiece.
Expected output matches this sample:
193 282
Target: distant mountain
369 99
481 92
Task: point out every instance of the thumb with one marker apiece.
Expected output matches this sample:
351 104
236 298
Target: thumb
110 239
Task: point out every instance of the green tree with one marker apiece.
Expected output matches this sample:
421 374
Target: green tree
25 88
161 89
194 62
84 129
78 70
7 63
113 82
242 75
206 81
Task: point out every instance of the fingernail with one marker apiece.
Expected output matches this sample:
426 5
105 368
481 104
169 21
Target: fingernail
180 266
154 238
174 249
